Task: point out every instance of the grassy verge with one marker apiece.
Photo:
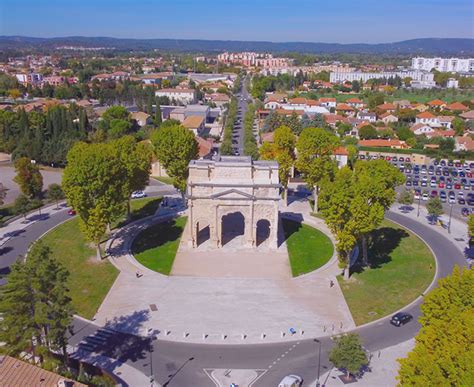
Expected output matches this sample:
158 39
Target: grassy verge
402 267
89 280
164 179
308 248
156 247
140 208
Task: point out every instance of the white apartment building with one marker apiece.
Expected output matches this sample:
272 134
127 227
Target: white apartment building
443 64
416 75
185 96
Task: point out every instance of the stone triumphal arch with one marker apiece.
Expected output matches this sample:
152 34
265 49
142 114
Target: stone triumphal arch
231 196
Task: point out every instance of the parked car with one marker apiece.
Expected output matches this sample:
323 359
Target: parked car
461 201
291 381
401 318
408 183
457 186
138 194
407 159
416 183
434 193
71 212
452 197
425 196
464 211
470 202
417 194
442 196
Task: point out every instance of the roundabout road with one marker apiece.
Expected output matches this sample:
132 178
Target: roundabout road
181 364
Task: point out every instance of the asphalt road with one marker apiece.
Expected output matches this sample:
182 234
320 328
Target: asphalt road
238 130
180 364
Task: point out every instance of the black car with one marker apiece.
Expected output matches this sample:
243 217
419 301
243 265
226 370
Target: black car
401 318
464 211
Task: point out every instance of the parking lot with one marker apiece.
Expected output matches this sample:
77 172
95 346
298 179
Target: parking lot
451 181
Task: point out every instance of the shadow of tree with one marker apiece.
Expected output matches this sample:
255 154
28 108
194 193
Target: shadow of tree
157 235
380 245
148 209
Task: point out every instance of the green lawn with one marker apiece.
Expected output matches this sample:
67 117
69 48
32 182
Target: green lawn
164 179
156 247
308 248
402 267
89 280
140 208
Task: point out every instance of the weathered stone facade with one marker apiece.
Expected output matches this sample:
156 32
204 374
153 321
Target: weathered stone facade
233 185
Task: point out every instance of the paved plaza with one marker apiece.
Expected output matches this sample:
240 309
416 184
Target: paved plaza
249 309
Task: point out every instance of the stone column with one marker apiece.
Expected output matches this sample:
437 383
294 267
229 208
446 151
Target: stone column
250 226
273 239
193 236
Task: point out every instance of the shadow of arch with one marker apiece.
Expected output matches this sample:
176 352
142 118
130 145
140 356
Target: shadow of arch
263 231
202 233
233 225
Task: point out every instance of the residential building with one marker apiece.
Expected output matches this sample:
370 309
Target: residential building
394 144
355 103
141 118
446 121
388 118
425 79
419 129
367 116
452 83
184 96
428 119
443 64
457 106
328 102
465 143
341 155
195 124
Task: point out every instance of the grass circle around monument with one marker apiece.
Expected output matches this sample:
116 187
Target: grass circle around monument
308 248
156 247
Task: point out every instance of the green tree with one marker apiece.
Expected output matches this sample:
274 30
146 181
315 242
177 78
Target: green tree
405 197
116 112
95 185
28 177
315 148
335 202
348 354
458 126
444 349
435 208
175 146
158 119
282 150
136 158
470 225
55 193
374 182
3 193
368 132
118 128
18 328
22 205
353 156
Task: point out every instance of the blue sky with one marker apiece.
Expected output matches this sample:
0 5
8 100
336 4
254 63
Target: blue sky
341 21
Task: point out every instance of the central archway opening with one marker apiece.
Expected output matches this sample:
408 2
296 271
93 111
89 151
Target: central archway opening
202 233
263 231
233 225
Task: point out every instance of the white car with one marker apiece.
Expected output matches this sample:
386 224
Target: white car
138 194
291 381
425 196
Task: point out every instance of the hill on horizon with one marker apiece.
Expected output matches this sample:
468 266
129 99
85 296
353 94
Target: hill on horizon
422 46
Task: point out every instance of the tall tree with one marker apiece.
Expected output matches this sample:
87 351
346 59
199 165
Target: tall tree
175 146
282 150
95 185
28 177
136 158
444 348
348 354
315 148
435 208
55 193
22 205
158 118
336 203
374 183
3 193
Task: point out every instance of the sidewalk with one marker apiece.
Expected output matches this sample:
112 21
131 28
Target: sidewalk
15 227
383 364
458 231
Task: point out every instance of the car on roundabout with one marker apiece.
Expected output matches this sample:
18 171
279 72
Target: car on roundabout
291 381
138 194
71 212
401 318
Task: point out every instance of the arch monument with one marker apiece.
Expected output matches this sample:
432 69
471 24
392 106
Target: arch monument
232 196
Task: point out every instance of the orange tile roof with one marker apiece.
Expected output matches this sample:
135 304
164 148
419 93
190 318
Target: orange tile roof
425 115
354 100
436 102
344 106
457 106
297 101
387 106
341 151
327 99
204 146
14 372
381 143
192 122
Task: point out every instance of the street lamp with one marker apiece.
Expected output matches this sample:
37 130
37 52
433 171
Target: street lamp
319 361
419 201
450 214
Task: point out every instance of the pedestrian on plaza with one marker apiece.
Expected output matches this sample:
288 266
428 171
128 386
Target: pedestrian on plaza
331 283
